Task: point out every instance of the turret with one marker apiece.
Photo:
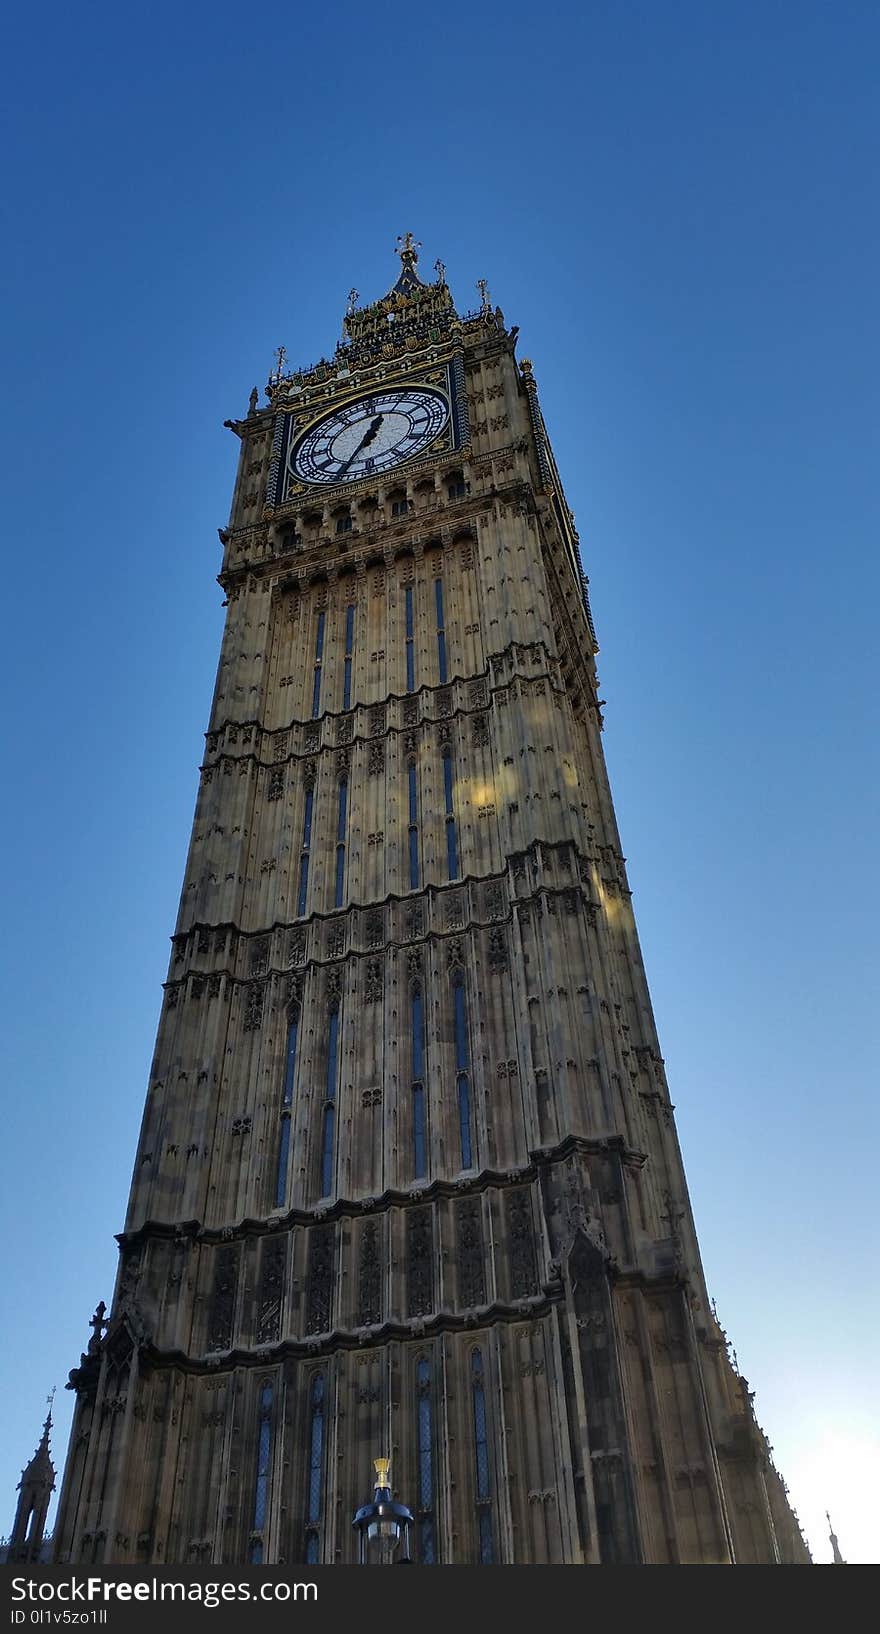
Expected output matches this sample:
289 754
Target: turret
35 1489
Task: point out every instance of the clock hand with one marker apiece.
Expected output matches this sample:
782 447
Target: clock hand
373 430
366 439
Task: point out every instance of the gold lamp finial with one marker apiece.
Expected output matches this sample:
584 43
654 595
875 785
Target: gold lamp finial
382 1466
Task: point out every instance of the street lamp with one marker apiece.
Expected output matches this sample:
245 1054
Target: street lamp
382 1524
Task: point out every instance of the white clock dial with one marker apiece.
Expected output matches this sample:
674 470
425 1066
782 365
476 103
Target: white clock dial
370 435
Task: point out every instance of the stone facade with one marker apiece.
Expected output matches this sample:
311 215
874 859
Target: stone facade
408 1179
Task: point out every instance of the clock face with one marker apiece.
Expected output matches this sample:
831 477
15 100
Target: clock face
370 435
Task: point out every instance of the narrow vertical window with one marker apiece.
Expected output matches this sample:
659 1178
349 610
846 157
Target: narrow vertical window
304 854
286 1112
481 1459
341 817
349 652
441 629
316 1469
410 650
412 784
462 1073
319 656
449 799
425 1441
417 1017
261 1485
329 1124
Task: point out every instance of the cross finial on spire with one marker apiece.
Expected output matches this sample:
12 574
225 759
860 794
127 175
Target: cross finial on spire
280 361
408 249
353 298
50 1399
97 1323
483 287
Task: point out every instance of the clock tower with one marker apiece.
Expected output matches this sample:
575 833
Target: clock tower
408 1181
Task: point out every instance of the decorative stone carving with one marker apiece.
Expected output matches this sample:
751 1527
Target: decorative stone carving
253 1010
273 1263
419 1261
470 1254
320 1279
414 921
222 1309
369 1276
521 1243
454 912
494 902
375 982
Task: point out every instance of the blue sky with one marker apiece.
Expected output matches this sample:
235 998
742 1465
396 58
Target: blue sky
677 204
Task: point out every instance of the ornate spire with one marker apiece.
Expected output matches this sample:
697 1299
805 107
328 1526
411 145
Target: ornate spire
838 1559
41 1464
410 318
35 1490
408 249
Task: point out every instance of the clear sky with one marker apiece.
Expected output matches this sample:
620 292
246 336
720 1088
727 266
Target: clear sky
677 202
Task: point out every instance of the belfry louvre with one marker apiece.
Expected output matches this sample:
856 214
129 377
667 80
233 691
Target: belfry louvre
408 1180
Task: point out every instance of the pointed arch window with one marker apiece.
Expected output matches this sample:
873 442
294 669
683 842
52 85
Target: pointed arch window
482 1482
319 659
261 1483
441 629
425 1445
417 1086
462 1071
314 1491
449 802
409 626
308 809
328 1128
413 832
286 1110
349 653
341 819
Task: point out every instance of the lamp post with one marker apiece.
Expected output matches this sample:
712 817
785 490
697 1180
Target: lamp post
383 1525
